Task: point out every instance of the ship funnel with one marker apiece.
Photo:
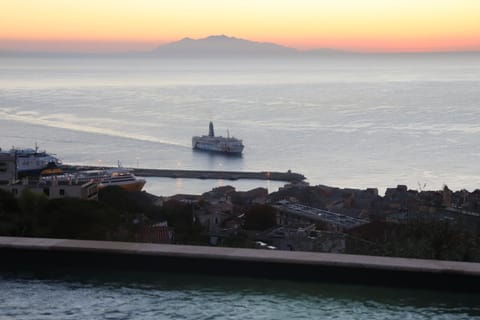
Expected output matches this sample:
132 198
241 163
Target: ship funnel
211 133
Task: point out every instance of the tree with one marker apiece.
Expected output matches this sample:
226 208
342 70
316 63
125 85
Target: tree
77 219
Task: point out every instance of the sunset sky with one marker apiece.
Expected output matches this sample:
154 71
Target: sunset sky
359 25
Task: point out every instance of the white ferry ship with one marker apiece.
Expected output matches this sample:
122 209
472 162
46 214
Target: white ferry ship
217 143
112 177
32 162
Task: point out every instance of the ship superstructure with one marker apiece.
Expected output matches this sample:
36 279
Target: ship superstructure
33 162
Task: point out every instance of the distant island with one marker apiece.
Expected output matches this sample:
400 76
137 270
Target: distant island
223 46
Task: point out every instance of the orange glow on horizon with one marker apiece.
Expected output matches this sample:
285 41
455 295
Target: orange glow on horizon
368 25
387 44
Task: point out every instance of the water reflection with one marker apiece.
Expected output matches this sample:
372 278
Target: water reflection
119 295
218 161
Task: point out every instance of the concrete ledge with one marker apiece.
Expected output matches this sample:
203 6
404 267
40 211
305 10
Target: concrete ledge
305 266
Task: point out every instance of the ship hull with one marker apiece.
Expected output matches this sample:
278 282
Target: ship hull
218 144
128 186
29 172
214 148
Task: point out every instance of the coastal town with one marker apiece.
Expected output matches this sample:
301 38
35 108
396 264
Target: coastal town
441 224
239 160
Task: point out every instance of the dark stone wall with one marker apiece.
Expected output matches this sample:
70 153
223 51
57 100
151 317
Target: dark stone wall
14 259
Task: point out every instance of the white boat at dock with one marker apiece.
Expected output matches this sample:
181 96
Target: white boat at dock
31 162
120 177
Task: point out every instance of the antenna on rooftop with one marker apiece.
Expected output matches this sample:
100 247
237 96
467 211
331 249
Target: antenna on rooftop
420 187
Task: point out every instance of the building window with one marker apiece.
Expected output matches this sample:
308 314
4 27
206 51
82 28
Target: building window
62 192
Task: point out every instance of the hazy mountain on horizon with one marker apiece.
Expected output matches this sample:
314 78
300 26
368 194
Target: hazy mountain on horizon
221 45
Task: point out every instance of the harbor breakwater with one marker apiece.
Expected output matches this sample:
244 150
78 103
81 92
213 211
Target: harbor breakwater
20 253
201 174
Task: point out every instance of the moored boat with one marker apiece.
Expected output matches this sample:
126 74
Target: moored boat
120 177
31 162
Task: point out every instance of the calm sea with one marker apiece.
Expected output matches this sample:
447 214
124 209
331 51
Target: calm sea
350 122
101 295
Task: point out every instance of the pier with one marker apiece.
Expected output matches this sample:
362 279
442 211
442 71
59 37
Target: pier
32 253
201 174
